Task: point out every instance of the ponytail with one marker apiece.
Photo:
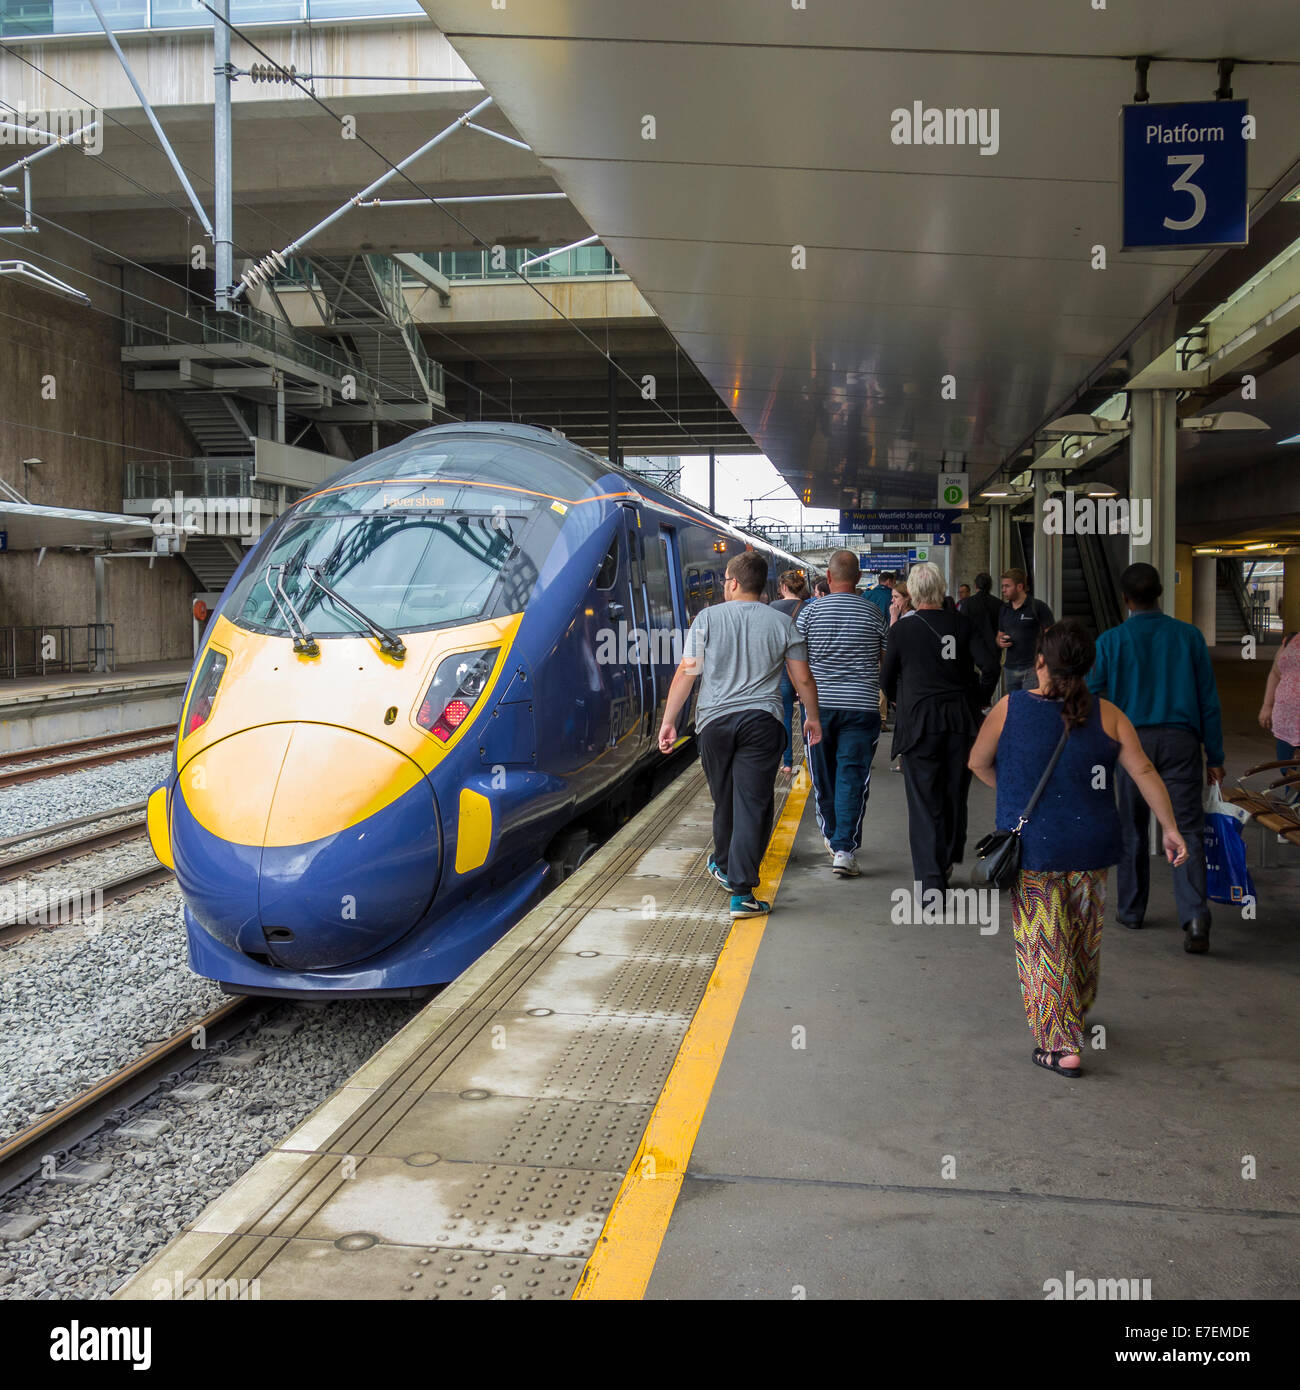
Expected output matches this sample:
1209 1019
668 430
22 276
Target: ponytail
1069 652
1076 700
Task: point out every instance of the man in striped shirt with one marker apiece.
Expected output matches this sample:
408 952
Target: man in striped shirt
845 634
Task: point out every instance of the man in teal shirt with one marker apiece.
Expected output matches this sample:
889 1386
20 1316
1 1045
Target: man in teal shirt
1157 670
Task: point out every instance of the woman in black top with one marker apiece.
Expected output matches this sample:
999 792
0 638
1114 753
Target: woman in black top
928 670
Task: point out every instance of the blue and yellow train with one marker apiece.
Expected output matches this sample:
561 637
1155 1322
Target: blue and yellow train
425 691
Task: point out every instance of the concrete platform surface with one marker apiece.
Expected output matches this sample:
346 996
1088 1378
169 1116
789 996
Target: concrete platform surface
877 1128
36 711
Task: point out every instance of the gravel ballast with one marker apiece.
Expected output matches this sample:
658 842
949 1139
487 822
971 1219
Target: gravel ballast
31 805
78 1003
95 1236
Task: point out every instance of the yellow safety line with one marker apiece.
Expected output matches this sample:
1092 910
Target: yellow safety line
628 1247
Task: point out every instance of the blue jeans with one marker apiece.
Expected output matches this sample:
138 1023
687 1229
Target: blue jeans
1020 678
787 704
1285 751
841 773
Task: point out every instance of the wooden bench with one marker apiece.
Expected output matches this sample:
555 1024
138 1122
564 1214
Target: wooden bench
1270 813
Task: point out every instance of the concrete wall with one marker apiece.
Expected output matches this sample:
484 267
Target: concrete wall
84 434
970 554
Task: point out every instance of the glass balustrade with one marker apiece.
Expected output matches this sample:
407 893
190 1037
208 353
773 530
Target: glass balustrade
36 18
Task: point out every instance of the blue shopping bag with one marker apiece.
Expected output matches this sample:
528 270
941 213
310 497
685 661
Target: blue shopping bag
1227 879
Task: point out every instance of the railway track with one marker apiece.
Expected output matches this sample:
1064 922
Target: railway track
27 766
63 906
24 1154
11 865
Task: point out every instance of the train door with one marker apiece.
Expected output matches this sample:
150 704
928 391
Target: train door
612 699
628 727
640 622
667 611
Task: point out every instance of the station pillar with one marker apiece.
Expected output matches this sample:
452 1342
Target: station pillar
1291 593
999 542
101 610
1182 602
1205 597
1047 549
1152 472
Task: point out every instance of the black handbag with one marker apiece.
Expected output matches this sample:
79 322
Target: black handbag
997 856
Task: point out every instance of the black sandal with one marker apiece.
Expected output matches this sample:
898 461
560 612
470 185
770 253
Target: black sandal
1052 1061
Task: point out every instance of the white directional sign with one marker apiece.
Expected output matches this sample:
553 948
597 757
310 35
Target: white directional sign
954 490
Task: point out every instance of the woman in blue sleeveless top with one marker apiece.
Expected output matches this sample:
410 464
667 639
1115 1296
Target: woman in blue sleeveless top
1073 836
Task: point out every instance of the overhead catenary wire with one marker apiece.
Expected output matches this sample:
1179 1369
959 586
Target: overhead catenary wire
506 405
469 232
182 212
270 221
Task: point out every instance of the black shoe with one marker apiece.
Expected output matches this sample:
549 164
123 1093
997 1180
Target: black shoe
1197 940
1132 926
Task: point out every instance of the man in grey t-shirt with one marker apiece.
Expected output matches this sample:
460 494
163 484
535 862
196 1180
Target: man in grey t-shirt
738 650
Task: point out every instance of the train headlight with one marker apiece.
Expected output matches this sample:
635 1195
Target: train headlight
205 690
457 685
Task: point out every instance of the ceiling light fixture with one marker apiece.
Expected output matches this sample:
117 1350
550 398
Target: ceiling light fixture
1225 420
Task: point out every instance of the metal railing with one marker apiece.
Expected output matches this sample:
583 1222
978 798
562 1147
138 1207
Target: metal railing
55 647
163 328
196 477
585 261
40 18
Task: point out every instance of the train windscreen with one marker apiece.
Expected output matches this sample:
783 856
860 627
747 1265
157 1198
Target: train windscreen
407 560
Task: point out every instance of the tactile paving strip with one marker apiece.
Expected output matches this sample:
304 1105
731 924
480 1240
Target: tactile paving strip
485 1165
553 1132
365 1269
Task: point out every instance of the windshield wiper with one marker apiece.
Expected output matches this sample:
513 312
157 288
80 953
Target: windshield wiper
390 642
303 641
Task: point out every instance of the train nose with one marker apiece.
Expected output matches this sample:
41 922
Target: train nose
307 845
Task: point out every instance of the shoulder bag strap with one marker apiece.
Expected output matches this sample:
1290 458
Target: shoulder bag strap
1042 782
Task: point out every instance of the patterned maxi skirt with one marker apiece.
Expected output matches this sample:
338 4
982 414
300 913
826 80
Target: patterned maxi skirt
1056 919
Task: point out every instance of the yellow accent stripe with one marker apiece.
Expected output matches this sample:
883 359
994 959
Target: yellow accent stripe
474 833
625 1255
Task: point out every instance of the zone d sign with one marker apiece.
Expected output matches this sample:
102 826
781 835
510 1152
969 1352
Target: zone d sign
954 490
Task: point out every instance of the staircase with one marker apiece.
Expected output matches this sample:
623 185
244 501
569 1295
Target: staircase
216 423
365 304
212 560
1230 624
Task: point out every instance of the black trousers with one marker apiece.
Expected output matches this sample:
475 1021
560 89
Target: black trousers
938 783
989 677
1176 756
740 754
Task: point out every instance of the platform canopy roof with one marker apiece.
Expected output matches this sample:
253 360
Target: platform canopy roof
773 129
31 527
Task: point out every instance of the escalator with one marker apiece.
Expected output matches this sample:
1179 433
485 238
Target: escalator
1089 585
1089 576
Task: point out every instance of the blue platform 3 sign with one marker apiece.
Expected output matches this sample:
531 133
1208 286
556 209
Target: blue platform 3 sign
1184 174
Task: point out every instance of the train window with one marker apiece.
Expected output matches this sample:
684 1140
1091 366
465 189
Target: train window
694 600
608 574
657 584
408 570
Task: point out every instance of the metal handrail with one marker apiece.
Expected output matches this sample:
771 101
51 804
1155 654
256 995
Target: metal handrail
22 649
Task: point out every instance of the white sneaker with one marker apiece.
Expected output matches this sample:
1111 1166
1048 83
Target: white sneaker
829 850
845 864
